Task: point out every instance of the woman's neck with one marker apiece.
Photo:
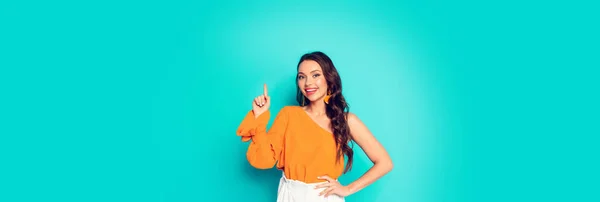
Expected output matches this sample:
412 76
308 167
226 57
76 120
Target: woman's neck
317 108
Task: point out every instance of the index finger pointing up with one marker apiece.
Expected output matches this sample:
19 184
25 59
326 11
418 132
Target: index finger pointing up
265 89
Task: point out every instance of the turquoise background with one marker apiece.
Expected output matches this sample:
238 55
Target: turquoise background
139 100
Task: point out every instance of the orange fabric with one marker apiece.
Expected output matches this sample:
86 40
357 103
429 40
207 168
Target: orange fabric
295 144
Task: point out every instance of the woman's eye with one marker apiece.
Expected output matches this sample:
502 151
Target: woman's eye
300 77
316 75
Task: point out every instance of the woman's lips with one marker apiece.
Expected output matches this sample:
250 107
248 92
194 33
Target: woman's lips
310 91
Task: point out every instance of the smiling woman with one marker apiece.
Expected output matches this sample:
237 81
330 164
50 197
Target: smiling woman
310 142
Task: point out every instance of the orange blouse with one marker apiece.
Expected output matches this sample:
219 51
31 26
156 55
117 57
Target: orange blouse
300 147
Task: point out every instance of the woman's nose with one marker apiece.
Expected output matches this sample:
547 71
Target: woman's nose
308 82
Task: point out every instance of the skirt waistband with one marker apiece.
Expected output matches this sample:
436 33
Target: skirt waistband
297 191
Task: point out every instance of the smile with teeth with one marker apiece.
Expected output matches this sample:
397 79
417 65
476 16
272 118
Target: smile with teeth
310 91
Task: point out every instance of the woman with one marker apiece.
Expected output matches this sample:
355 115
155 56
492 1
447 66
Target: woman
310 142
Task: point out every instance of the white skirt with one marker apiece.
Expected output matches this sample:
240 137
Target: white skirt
298 191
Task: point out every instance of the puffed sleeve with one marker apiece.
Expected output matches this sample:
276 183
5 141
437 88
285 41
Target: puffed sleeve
265 148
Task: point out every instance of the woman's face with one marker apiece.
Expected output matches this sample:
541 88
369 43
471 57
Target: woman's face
311 80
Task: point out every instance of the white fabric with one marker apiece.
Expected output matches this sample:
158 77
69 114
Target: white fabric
298 191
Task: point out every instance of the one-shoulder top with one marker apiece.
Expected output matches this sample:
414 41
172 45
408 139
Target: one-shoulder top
295 144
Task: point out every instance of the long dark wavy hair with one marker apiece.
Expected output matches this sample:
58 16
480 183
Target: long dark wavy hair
337 109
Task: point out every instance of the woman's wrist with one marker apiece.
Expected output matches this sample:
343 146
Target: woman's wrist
352 188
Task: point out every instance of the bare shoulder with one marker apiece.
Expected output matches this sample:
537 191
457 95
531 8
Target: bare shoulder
352 119
356 126
359 131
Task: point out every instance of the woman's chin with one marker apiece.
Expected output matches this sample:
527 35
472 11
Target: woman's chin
314 99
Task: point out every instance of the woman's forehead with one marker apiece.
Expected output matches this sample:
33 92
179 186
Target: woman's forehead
309 66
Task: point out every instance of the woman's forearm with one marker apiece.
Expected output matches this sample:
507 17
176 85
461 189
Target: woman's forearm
372 175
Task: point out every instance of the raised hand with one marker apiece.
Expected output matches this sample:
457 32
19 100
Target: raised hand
261 103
